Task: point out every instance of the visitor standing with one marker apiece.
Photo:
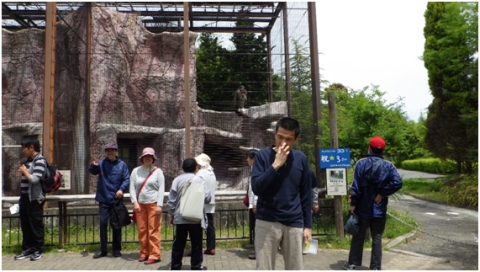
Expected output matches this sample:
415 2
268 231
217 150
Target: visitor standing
113 180
147 189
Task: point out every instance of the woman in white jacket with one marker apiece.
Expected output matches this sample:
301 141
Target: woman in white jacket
206 172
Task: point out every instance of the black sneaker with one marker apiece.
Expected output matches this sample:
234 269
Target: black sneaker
24 254
36 256
99 254
117 254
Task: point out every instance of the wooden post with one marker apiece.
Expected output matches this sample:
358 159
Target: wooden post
317 105
49 81
186 74
337 200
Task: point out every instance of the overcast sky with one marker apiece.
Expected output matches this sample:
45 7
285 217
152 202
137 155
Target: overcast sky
376 42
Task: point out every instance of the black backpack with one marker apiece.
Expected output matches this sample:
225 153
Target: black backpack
52 179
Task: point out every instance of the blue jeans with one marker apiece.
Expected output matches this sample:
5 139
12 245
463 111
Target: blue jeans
377 226
104 210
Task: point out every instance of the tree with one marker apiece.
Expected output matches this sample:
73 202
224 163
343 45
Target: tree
365 113
450 56
213 72
220 71
248 65
301 95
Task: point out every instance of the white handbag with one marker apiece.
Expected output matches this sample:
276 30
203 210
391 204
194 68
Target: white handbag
192 200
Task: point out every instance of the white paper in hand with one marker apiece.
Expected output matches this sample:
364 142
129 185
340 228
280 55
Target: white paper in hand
15 209
311 247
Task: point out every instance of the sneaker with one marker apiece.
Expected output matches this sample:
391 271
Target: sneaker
36 256
252 256
99 254
199 268
347 266
117 254
24 254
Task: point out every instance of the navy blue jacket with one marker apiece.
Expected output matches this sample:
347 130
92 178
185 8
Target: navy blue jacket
373 175
116 177
285 195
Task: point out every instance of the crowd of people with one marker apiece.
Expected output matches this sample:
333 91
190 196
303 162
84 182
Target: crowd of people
282 195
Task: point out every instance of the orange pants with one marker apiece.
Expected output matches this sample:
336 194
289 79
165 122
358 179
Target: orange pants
148 226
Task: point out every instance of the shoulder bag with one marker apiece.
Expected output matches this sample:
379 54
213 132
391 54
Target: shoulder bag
192 200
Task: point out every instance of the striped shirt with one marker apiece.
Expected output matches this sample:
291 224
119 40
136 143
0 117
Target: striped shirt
36 167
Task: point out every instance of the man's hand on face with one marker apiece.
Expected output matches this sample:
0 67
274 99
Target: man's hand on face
281 156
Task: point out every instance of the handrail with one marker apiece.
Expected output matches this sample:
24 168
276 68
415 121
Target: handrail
68 198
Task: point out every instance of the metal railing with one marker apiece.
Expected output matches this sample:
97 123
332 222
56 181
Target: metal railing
80 225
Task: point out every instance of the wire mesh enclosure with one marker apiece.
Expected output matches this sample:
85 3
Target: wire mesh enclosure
119 76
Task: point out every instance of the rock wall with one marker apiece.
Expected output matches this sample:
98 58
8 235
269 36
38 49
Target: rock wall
135 97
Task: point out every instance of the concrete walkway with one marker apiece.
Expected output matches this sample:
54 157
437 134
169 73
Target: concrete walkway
225 259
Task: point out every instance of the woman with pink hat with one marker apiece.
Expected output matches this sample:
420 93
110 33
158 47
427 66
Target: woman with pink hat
147 187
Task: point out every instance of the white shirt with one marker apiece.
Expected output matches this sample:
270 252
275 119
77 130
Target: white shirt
154 188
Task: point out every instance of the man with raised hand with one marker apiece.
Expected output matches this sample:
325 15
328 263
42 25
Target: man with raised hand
281 180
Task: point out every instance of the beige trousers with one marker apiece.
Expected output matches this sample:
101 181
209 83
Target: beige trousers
269 236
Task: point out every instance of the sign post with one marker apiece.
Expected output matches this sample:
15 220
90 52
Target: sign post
336 160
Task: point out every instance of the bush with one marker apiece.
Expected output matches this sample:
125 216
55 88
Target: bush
462 191
430 165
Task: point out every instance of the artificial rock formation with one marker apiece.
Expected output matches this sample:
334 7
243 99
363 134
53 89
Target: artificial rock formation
127 86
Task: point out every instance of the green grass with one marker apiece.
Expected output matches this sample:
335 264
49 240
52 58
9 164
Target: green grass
424 188
460 190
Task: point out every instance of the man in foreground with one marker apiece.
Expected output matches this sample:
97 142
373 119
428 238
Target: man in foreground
281 180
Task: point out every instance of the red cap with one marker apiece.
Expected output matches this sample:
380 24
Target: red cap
377 142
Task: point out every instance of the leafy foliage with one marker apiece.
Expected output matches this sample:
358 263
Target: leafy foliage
213 73
364 113
450 56
248 64
459 190
220 71
430 165
464 193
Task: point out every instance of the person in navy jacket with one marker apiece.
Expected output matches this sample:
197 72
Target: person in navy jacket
281 178
113 180
374 180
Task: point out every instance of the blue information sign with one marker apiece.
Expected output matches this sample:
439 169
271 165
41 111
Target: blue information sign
335 158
